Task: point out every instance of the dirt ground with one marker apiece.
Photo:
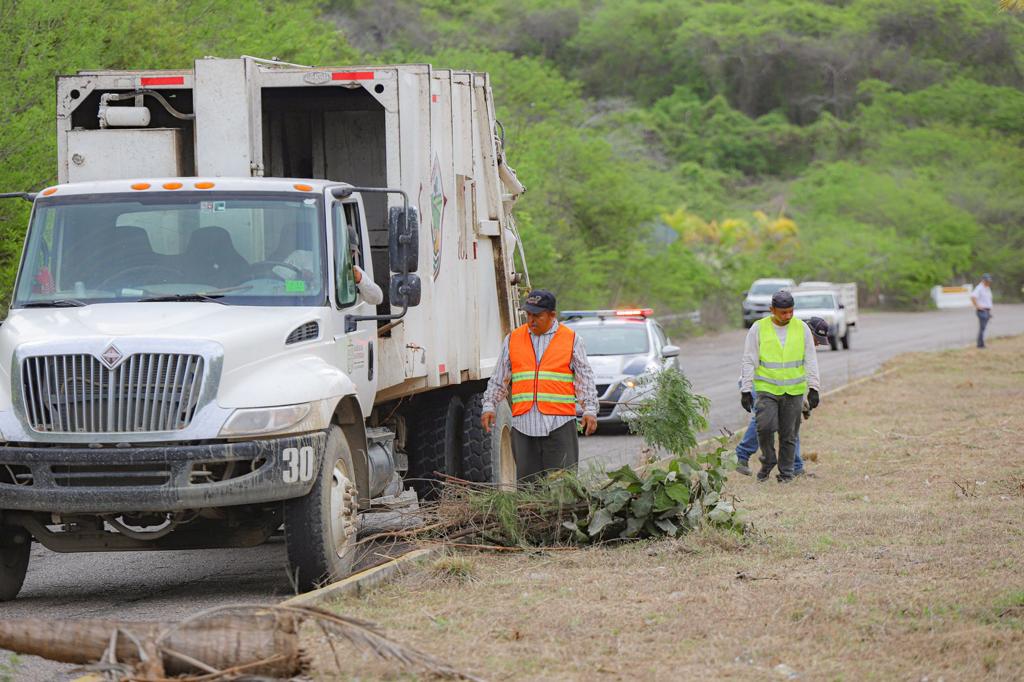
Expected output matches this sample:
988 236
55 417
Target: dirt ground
902 558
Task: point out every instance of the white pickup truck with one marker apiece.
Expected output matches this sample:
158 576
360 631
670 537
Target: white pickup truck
190 359
835 303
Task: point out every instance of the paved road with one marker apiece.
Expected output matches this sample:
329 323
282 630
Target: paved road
168 585
712 364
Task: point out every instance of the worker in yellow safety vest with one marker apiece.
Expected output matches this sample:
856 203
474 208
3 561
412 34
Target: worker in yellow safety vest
545 365
781 366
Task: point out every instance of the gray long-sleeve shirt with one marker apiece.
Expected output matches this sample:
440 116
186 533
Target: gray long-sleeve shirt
535 422
752 356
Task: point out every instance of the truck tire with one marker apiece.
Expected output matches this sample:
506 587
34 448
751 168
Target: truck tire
833 343
13 562
434 444
487 457
321 528
846 339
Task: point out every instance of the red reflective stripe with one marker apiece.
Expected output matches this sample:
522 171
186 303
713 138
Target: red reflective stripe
352 76
163 80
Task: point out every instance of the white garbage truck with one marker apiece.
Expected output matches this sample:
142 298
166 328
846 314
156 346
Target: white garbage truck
195 354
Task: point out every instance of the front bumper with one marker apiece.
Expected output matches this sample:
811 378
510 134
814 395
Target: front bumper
617 404
163 478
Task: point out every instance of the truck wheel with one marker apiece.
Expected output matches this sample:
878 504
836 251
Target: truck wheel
321 528
846 339
434 444
833 343
487 457
15 546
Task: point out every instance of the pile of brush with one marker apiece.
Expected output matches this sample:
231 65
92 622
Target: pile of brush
564 508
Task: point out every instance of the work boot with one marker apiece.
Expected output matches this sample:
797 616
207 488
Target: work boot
762 475
742 468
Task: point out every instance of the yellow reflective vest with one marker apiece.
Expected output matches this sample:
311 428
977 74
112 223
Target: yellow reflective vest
780 370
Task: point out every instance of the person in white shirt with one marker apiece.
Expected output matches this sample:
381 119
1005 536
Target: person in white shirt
981 297
781 375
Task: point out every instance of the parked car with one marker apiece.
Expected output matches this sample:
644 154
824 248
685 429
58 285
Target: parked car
623 347
759 298
835 303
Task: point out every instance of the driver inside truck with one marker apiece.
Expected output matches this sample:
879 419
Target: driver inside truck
368 290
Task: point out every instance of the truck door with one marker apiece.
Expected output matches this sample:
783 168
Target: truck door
357 350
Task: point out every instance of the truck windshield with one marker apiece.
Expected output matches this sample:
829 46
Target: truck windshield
813 301
238 248
613 339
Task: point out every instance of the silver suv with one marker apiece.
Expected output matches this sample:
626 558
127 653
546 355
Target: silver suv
622 346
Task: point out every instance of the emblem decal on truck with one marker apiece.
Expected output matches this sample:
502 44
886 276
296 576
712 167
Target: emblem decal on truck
438 200
111 357
317 77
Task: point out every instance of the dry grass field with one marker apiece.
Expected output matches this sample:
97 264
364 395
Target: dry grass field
902 558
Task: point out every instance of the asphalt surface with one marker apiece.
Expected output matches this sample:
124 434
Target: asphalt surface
169 585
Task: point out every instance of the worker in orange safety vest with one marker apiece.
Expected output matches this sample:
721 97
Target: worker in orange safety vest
544 368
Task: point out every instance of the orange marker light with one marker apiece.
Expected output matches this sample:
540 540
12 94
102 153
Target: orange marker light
204 185
48 192
172 185
140 185
303 188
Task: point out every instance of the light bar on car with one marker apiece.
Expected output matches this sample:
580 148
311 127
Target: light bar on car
627 312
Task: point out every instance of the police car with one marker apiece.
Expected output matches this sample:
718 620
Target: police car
623 346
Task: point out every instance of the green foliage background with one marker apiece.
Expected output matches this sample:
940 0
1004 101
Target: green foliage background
673 149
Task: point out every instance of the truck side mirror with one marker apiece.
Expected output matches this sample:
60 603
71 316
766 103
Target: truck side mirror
841 306
404 246
405 290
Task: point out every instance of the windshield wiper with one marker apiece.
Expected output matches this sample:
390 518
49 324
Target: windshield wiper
205 298
56 303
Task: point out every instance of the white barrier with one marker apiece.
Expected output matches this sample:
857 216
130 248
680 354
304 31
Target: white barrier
952 297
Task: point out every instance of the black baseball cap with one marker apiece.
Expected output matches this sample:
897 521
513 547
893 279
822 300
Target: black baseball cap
819 328
539 301
782 299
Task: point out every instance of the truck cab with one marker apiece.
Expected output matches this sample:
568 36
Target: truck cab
190 358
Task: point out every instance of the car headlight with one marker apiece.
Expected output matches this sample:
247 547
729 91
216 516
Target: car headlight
631 382
284 419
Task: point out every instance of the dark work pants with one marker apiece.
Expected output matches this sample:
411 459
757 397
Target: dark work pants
983 318
777 414
535 455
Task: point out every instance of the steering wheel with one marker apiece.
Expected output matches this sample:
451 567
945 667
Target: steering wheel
175 274
269 265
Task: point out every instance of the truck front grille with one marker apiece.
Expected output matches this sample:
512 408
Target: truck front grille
79 394
110 476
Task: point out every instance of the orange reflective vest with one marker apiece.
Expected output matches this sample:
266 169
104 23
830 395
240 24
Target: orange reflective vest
547 383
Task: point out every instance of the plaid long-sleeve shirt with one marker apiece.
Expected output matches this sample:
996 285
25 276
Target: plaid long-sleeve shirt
534 422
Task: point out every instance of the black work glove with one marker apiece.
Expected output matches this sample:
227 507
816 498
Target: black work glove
747 401
812 398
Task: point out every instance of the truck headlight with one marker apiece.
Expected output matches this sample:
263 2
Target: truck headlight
284 419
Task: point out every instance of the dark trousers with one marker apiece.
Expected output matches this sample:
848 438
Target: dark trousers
535 455
777 414
983 318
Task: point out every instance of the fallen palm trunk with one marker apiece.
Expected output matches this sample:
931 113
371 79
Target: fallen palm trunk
266 643
220 643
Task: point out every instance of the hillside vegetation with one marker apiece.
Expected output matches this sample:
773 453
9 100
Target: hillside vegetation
673 149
